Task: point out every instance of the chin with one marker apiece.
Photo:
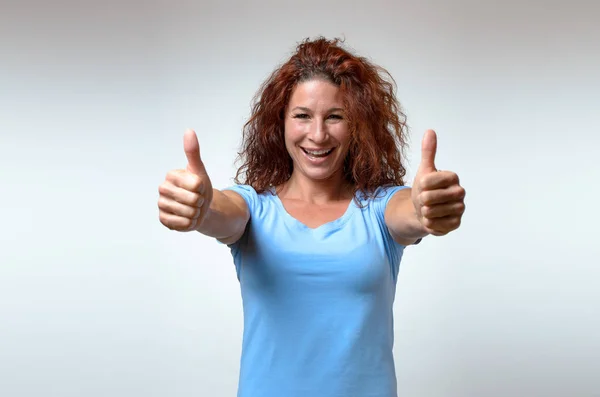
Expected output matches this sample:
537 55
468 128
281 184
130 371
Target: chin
319 175
320 169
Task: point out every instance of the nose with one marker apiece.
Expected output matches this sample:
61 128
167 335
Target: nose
318 131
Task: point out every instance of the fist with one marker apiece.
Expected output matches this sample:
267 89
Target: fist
186 194
438 198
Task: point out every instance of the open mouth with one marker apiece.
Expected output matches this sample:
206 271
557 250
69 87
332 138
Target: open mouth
318 153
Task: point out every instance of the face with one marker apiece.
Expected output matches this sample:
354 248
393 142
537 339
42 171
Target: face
316 130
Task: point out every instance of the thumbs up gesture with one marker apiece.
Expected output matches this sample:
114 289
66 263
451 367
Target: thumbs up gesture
438 198
186 194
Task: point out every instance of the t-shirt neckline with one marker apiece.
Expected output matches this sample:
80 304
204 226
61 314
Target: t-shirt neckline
336 223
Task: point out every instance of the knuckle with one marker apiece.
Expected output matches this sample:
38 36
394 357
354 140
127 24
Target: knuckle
428 222
195 199
187 223
162 189
455 194
440 230
163 202
166 189
426 211
172 175
196 183
435 232
455 222
165 220
190 224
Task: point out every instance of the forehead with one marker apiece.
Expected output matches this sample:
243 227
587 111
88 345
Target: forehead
316 93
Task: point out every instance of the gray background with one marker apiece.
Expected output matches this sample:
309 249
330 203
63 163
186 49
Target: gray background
98 299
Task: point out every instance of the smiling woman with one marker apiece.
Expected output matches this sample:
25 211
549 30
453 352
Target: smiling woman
317 224
360 98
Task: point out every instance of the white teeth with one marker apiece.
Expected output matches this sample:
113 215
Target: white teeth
318 152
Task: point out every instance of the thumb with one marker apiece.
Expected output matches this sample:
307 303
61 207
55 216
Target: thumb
192 152
428 149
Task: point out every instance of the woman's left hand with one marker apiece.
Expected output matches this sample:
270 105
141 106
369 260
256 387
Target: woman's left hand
438 198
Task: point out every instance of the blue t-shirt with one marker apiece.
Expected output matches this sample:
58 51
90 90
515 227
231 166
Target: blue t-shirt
317 303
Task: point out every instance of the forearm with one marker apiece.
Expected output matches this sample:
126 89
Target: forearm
407 224
226 217
402 220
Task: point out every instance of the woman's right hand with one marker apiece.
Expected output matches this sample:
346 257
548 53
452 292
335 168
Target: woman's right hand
186 194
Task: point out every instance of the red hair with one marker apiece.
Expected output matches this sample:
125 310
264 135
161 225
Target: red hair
377 124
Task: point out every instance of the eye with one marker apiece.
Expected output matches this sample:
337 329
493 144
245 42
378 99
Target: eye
335 117
301 116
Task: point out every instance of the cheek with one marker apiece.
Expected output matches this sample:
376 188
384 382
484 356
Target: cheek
293 133
290 136
342 135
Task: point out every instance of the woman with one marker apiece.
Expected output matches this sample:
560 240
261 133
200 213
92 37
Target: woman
317 223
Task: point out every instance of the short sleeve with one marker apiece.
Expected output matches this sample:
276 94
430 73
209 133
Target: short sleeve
382 198
249 195
254 206
392 248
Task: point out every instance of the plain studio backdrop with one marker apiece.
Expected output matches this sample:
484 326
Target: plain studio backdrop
97 298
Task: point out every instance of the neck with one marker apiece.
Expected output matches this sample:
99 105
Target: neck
298 187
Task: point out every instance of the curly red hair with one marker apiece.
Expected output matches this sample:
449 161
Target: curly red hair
377 123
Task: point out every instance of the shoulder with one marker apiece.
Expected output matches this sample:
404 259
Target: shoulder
254 200
242 190
379 198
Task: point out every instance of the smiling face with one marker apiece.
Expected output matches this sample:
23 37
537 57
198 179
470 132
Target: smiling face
316 131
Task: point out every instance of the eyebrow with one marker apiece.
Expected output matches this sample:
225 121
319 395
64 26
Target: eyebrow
304 109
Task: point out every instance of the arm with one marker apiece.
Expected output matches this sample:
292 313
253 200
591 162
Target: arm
188 202
226 218
434 205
